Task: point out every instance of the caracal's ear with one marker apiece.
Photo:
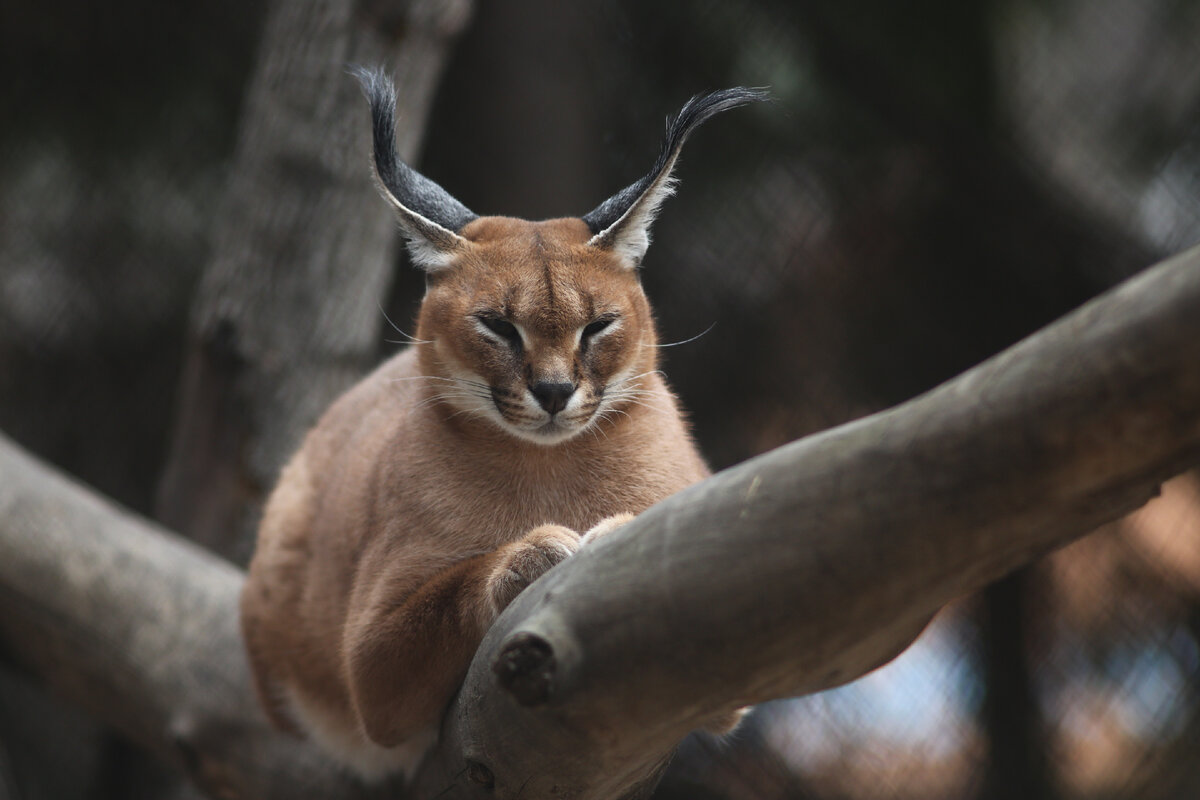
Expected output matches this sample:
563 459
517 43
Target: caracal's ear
429 216
622 222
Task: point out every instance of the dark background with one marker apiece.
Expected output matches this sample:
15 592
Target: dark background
934 180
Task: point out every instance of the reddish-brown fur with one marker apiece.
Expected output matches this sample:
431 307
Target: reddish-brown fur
413 514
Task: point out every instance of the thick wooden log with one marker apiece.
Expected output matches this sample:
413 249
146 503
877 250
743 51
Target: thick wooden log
815 563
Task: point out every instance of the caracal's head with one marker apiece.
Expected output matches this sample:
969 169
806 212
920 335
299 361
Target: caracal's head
535 329
541 328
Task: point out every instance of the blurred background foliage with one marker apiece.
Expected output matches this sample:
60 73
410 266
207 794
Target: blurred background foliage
934 180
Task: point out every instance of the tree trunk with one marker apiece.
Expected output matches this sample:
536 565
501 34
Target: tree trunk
1017 763
288 310
793 572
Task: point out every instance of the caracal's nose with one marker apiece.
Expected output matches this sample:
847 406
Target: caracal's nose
553 397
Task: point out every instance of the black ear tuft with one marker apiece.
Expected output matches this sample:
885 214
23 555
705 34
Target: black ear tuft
429 215
622 221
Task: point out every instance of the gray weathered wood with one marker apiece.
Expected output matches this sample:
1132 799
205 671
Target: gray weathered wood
139 626
287 314
811 565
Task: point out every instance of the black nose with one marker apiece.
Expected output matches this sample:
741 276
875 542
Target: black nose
553 396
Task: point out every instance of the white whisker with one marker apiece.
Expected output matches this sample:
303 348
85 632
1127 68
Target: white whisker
641 393
626 381
595 428
614 410
685 341
408 338
474 412
447 396
633 401
455 381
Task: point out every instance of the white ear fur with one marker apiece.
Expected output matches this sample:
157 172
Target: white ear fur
428 258
629 236
621 224
427 213
432 246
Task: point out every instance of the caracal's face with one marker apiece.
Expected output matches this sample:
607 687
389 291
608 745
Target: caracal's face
535 331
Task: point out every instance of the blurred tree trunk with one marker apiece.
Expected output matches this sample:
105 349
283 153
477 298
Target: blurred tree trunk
1017 764
288 310
529 51
287 313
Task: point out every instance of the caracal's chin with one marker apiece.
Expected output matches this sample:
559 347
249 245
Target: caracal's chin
553 432
545 429
526 421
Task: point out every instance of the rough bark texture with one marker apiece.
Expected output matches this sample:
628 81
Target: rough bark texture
288 312
140 627
794 572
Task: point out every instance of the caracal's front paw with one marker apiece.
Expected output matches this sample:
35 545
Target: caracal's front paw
524 561
605 527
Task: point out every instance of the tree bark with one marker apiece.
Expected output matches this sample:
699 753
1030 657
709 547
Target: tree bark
794 572
288 310
813 564
140 627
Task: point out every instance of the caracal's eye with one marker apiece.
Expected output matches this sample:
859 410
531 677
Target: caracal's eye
502 328
592 328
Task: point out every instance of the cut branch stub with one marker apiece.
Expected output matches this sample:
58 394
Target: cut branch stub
526 667
480 775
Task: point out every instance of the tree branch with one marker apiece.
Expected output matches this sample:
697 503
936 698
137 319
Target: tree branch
796 571
809 566
139 626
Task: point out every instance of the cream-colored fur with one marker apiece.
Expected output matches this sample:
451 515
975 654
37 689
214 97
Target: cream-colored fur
435 490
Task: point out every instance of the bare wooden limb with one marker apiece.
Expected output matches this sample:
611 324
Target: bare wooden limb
815 563
140 627
793 572
287 313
